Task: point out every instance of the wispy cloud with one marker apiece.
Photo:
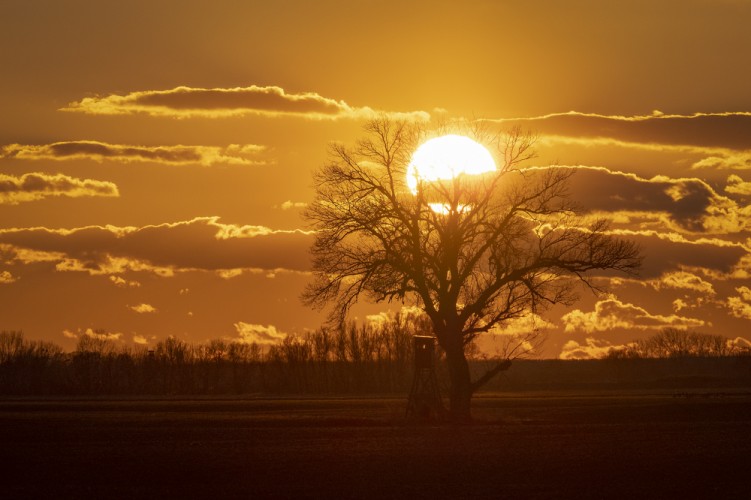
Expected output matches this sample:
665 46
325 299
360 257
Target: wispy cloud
672 280
37 185
675 280
234 154
272 101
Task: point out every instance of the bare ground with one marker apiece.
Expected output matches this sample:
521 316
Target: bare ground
607 445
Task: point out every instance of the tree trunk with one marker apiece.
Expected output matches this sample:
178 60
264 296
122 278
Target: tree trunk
460 393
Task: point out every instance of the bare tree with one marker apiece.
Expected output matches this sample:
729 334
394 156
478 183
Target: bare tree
473 251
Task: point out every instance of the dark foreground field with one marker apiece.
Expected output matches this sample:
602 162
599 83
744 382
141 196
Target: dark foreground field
691 445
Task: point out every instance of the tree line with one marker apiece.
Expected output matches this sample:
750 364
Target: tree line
674 343
372 357
366 358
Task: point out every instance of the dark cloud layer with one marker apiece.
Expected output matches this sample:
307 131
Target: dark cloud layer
665 252
687 205
725 130
95 150
202 243
184 101
252 98
37 185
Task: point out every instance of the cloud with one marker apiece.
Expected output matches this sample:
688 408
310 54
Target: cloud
10 254
725 160
591 349
258 334
140 340
6 277
523 325
37 185
736 185
121 282
611 314
740 306
676 280
721 141
740 270
683 280
745 293
234 154
96 264
202 243
404 314
740 342
664 252
96 334
703 291
730 130
143 308
522 336
293 204
688 205
715 158
100 334
272 101
229 273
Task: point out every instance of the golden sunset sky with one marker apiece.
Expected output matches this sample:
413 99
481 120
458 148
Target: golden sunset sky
155 156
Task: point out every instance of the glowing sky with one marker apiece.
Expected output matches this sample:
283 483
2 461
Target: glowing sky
155 156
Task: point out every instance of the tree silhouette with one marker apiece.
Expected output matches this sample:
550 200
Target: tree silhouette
473 251
675 343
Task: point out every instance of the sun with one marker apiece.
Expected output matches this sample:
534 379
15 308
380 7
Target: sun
446 157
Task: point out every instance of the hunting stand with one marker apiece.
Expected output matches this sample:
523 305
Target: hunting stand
425 397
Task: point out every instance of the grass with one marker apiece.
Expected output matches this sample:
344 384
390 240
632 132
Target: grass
579 445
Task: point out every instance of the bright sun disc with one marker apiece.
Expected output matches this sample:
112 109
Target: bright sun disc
446 157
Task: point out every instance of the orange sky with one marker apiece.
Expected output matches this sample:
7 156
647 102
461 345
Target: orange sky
155 156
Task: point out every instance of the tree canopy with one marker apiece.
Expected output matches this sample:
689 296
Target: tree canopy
473 251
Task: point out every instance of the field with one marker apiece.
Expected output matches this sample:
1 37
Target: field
661 445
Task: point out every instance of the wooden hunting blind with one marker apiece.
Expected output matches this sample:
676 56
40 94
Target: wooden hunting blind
424 350
424 398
